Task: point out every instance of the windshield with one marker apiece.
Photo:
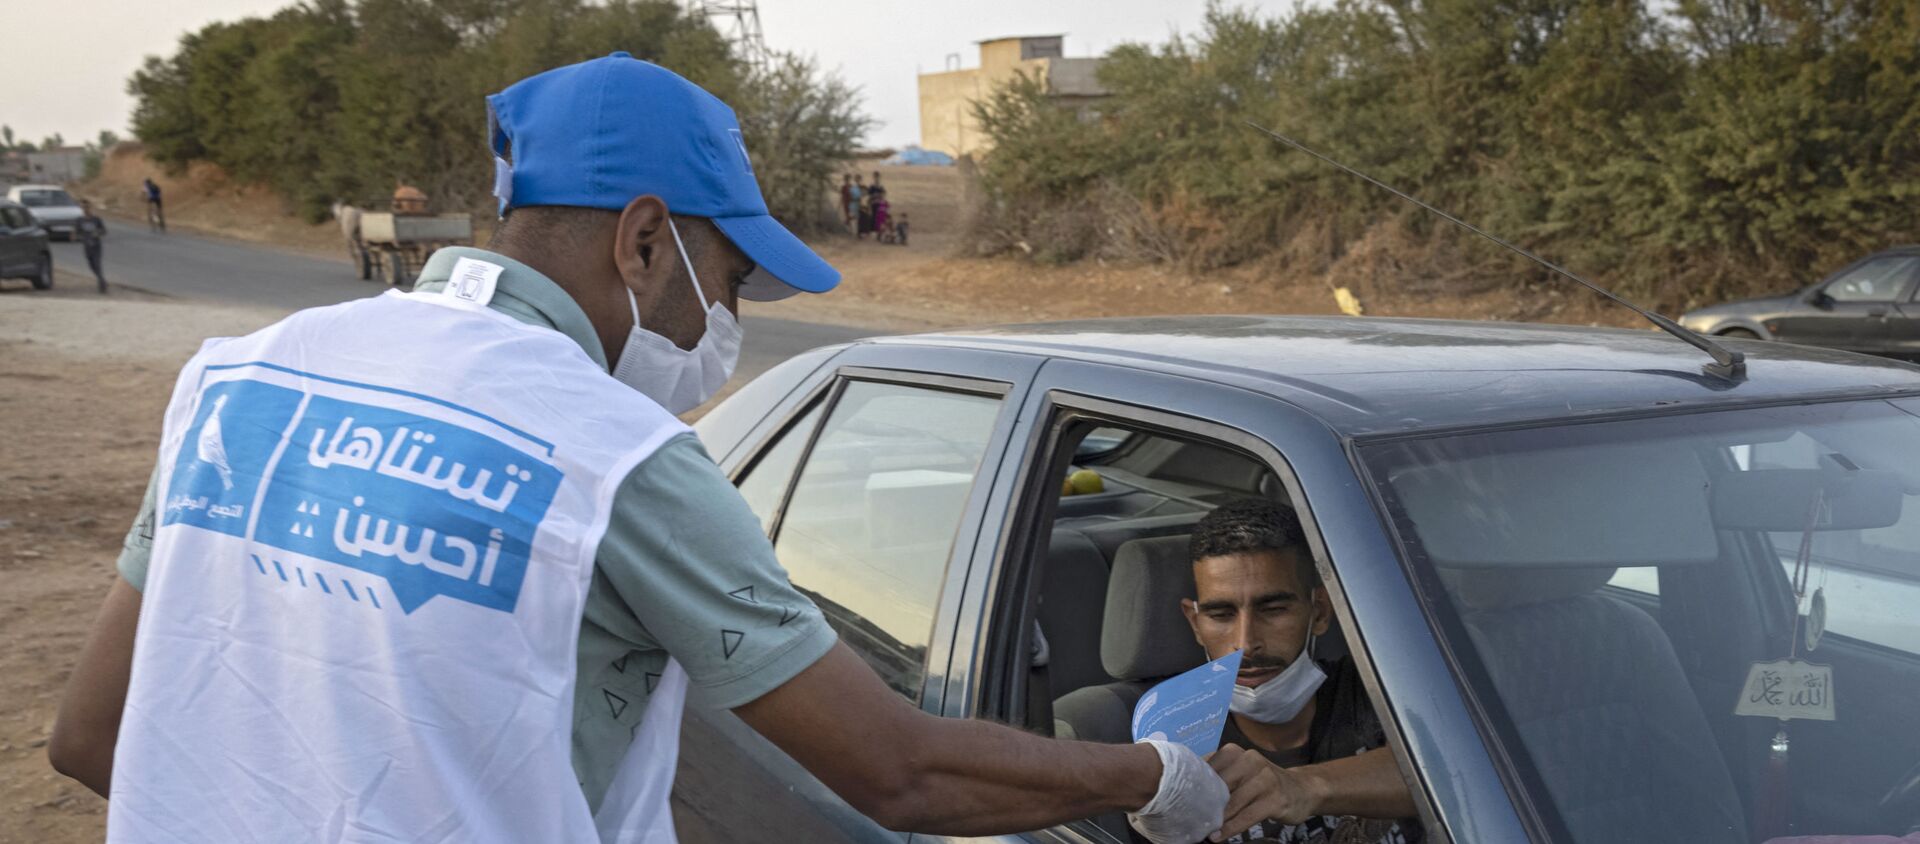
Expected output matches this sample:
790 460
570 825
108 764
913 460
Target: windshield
45 198
1694 628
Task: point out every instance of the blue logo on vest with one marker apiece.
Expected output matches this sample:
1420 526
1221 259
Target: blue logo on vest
434 507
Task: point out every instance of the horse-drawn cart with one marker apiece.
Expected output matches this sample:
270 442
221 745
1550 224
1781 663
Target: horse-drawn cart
394 246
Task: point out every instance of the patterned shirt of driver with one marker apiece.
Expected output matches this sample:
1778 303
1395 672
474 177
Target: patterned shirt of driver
684 569
1344 724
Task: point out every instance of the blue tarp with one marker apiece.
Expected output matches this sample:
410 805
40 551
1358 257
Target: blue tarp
916 155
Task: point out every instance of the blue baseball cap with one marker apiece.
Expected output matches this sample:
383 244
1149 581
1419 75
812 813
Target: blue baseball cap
599 133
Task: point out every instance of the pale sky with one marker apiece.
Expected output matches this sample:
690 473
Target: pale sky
71 58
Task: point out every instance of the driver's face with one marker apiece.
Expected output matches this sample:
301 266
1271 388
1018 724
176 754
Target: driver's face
1255 602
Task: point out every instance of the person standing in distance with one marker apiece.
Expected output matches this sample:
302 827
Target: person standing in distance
156 212
459 590
90 229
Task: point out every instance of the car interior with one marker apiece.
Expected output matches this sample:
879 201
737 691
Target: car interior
1617 656
1112 573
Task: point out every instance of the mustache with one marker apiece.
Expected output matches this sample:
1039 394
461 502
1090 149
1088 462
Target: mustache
1250 663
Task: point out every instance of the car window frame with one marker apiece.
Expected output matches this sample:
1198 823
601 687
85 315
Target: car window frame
825 396
835 388
999 693
1904 293
1519 776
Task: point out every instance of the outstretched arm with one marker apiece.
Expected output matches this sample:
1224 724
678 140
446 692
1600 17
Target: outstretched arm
910 770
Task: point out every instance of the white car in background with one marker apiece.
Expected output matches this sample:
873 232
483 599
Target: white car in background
55 209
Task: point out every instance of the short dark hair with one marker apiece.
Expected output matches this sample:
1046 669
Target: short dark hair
1253 524
560 228
551 227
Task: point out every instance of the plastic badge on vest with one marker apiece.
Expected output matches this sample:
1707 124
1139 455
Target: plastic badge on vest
472 282
435 498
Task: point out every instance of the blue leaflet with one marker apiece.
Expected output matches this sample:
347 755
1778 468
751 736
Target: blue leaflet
434 507
1191 708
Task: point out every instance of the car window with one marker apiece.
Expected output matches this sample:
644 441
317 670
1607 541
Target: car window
1519 531
1865 577
1878 280
1114 565
45 198
1642 579
16 218
733 417
766 482
871 520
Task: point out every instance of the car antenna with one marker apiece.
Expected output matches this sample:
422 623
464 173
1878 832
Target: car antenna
1727 364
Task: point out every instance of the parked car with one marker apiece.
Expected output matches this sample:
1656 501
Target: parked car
23 246
57 210
1555 554
1869 306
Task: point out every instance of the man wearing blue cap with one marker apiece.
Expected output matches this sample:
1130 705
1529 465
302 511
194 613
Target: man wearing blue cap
456 590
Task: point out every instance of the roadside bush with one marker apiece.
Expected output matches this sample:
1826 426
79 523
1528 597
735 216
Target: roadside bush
330 99
1718 149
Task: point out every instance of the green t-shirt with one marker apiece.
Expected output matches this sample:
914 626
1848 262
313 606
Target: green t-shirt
684 570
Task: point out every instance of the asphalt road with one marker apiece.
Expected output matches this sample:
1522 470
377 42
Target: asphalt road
192 267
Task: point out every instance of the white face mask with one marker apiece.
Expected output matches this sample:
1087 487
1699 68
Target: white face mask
1278 700
679 379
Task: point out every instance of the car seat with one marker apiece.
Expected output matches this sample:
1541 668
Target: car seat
1591 685
1143 639
1073 597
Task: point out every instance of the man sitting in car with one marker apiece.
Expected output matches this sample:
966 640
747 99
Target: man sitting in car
1303 751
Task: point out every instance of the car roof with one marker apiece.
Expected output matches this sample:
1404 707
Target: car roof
1368 376
18 188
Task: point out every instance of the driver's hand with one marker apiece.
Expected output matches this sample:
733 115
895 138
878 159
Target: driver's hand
1260 790
1190 801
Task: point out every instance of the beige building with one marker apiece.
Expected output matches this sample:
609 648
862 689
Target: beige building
58 165
947 98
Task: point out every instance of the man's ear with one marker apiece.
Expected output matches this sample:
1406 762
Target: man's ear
1191 609
641 238
1322 610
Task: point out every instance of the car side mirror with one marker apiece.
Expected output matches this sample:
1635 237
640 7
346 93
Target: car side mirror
1818 298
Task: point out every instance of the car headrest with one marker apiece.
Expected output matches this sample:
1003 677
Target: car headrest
1144 635
1488 589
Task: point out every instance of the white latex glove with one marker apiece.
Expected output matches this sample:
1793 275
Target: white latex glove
1191 802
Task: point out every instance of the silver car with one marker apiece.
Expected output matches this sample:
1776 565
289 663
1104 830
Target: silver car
57 210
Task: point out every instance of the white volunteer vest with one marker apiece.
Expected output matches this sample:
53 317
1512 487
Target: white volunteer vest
376 529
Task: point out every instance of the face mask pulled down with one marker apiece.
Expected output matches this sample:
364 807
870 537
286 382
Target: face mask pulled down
680 379
1278 700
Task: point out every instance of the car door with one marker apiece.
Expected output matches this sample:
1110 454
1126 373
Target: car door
872 480
15 241
1853 309
994 670
1903 336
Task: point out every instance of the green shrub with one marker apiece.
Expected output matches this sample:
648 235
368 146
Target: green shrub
1722 149
335 99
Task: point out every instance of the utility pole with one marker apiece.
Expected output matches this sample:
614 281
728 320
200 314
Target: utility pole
737 21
